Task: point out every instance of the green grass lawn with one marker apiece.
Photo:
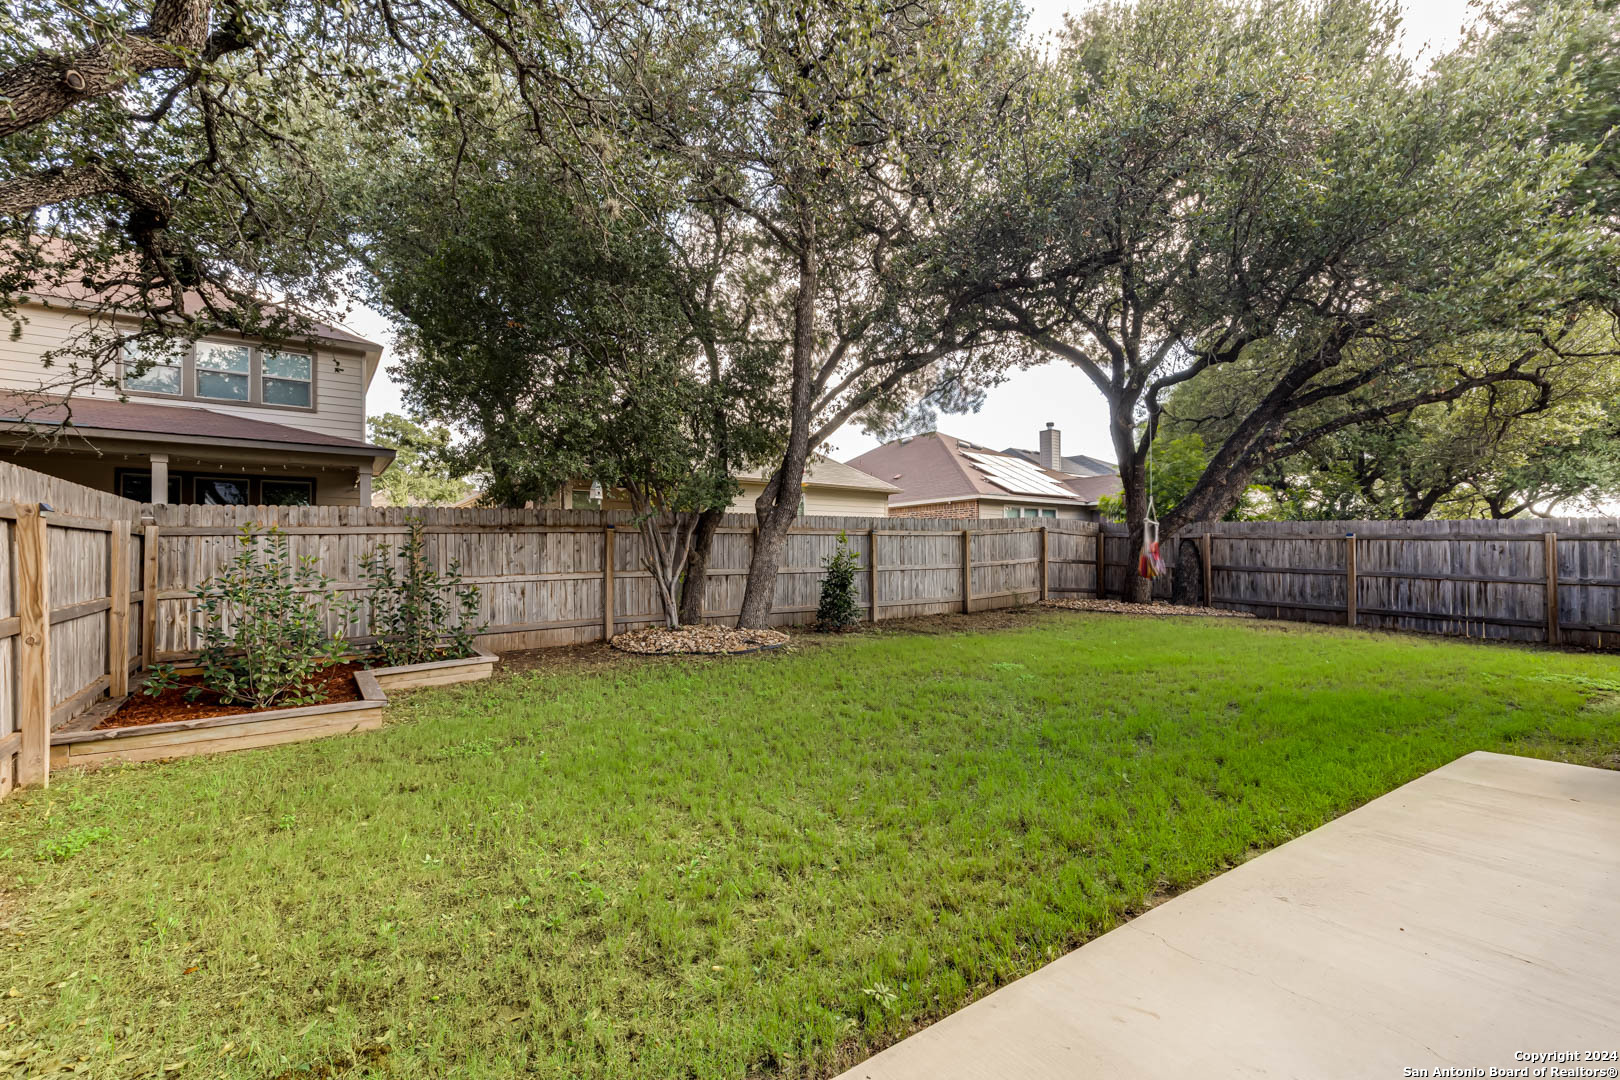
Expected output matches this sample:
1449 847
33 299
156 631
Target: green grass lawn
764 866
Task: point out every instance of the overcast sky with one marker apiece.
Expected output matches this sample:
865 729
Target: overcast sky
1054 392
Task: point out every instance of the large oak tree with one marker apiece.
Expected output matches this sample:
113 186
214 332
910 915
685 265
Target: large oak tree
160 161
1273 195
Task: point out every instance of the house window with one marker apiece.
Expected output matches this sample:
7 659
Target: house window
288 379
163 376
287 493
221 491
136 485
224 372
1049 513
582 501
1009 511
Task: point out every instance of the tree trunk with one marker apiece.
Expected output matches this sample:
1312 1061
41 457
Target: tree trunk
1134 497
1138 589
778 504
666 541
1187 582
696 583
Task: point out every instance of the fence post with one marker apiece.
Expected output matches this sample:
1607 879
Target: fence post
608 622
1349 579
1550 556
967 570
1044 564
149 591
33 647
118 613
871 571
1100 564
1206 545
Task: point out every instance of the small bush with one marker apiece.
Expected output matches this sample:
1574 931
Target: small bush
266 620
411 605
838 609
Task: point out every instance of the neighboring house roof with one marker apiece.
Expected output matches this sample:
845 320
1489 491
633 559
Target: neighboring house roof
157 422
827 473
1092 488
1075 464
935 467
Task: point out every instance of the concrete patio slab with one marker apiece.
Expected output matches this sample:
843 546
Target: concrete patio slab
1459 922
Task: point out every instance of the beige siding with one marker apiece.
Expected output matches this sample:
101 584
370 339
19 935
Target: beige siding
827 501
340 378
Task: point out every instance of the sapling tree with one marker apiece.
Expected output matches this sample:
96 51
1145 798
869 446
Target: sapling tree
271 623
419 612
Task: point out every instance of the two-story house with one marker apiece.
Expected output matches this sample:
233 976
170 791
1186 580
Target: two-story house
227 421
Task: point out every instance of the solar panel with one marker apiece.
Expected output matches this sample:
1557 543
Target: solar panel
1017 475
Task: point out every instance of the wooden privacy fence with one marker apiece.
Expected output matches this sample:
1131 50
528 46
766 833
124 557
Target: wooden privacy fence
67 636
94 587
556 577
1539 580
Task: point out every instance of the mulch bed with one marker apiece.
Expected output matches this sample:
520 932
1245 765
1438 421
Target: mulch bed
1158 609
139 709
661 641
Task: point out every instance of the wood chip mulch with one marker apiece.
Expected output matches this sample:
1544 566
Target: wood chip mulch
138 710
1158 609
661 641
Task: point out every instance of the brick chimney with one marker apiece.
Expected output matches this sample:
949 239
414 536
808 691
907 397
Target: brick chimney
1052 448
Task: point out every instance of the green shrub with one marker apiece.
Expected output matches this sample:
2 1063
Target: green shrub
266 627
411 605
838 609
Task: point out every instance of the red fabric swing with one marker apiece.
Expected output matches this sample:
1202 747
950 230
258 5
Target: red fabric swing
1150 563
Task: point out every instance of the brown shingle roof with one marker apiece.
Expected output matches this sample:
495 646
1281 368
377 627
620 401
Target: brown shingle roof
1092 488
139 418
77 295
930 468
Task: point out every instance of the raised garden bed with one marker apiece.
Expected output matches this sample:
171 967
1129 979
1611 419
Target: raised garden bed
359 693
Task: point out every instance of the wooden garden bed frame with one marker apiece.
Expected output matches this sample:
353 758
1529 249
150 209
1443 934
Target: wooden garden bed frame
219 734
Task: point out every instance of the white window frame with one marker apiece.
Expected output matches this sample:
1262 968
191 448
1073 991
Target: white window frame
187 362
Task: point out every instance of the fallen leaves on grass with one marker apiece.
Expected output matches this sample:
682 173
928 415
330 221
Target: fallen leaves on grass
662 641
1121 607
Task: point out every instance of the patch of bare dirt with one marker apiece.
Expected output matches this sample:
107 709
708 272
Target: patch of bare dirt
1158 609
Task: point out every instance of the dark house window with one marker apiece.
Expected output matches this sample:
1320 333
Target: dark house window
287 492
222 491
210 490
137 485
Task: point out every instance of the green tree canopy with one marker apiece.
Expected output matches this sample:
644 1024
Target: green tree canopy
1272 196
421 474
163 160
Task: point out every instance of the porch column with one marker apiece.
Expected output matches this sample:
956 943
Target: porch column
364 485
160 479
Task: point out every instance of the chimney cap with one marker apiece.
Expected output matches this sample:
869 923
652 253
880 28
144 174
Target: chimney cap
1050 424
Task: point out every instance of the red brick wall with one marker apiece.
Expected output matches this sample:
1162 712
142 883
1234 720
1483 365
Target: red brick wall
966 508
